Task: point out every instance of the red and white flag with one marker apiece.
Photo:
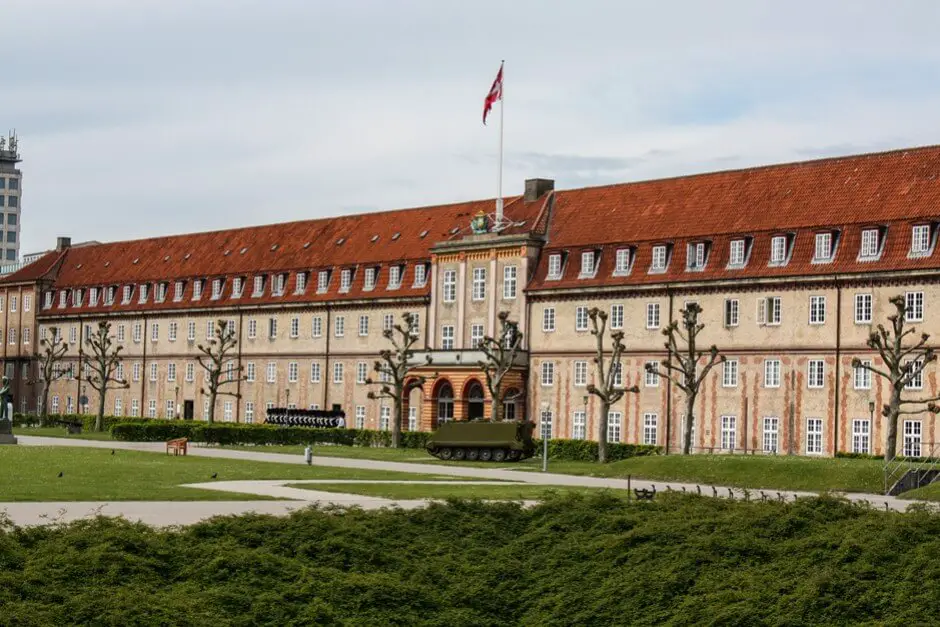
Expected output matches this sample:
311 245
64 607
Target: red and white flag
496 93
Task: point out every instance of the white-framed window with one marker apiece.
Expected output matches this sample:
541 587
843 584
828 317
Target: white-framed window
421 275
339 326
548 319
169 409
914 306
323 281
861 436
729 375
394 277
360 416
695 256
271 372
449 289
447 337
191 371
815 373
652 315
587 264
479 284
227 411
616 316
154 331
778 250
509 282
153 371
862 376
546 420
316 326
197 289
617 369
920 240
729 430
388 322
578 425
736 253
152 408
732 312
272 328
258 287
28 301
368 283
622 262
293 371
814 435
300 284
771 435
580 373
476 336
315 372
363 325
249 412
250 372
554 266
118 407
823 248
771 373
614 426
817 309
136 371
216 289
651 379
385 417
294 327
913 432
362 372
650 428
548 373
345 279
171 372
280 281
863 309
658 263
917 381
870 244
252 329
581 319
338 372
412 418
26 335
769 311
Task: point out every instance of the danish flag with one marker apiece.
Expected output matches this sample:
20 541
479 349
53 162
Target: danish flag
496 93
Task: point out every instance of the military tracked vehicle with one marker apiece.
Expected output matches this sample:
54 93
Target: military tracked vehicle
483 440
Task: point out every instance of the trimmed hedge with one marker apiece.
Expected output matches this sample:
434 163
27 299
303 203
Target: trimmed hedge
586 450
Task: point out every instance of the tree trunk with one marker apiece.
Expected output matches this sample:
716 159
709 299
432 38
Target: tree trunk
602 432
396 419
497 410
211 417
44 410
894 408
689 423
99 419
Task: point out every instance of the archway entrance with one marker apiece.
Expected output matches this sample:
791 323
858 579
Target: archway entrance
474 401
445 403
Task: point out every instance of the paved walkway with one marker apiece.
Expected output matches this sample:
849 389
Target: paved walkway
181 512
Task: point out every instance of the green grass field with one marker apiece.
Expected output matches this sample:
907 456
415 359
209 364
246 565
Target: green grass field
513 492
31 474
60 432
927 493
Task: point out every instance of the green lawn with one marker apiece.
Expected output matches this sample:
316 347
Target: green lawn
927 493
423 491
60 432
31 474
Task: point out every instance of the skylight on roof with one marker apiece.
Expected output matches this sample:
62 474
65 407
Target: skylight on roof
375 238
424 233
167 258
186 256
340 241
395 236
244 250
307 245
274 247
78 267
226 253
454 230
107 263
136 260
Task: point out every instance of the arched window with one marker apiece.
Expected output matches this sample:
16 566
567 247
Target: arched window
445 403
474 401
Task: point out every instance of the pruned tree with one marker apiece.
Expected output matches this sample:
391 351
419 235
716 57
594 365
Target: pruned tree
682 364
103 359
608 385
902 365
50 359
220 369
394 366
500 354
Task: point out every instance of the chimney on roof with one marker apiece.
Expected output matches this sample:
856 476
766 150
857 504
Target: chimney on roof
61 243
536 188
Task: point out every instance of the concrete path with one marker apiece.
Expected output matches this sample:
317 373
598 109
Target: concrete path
209 508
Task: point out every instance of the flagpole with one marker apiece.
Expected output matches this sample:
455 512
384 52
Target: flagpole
499 178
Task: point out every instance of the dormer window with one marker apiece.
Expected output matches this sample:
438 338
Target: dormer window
142 293
238 286
47 303
587 264
778 250
660 255
323 281
161 292
109 295
178 291
421 275
394 277
554 266
279 281
345 280
63 298
197 289
77 297
695 256
920 240
871 244
369 279
126 296
216 289
736 253
259 286
623 261
93 297
823 249
301 285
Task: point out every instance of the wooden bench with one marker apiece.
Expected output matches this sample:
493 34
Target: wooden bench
178 446
642 494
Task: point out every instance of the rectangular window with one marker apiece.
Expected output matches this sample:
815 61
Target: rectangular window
729 377
447 337
869 248
614 426
548 319
652 315
617 369
295 327
216 289
476 336
920 239
388 322
729 432
339 326
323 281
172 330
616 316
92 297
154 332
153 372
732 312
169 410
578 426
816 373
152 408
394 277
771 373
823 250
861 436
479 284
292 372
249 412
915 382
914 306
135 408
142 293
300 285
554 266
272 328
862 376
652 377
659 259
771 434
863 309
421 275
171 372
136 371
191 371
913 430
316 327
345 280
581 319
369 280
778 250
362 372
587 264
736 253
360 416
197 289
650 428
450 286
338 372
814 434
695 256
412 418
769 311
817 309
250 372
26 335
258 288
548 373
580 374
363 326
385 416
622 262
314 372
509 282
271 372
546 419
118 407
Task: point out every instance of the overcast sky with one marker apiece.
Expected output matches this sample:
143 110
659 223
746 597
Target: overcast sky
143 117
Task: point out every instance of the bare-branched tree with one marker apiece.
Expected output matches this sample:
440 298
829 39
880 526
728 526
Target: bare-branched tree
50 357
219 366
608 380
902 365
394 367
500 354
103 359
682 365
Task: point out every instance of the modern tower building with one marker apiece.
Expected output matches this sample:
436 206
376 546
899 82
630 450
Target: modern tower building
10 196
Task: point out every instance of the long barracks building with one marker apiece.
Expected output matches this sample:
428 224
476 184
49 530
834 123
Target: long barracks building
792 264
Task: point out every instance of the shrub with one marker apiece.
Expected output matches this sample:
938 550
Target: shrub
848 455
586 451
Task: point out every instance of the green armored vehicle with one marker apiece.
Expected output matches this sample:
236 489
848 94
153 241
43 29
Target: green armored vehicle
483 440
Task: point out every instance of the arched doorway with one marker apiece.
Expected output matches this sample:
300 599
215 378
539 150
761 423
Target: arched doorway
445 403
475 399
